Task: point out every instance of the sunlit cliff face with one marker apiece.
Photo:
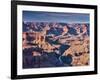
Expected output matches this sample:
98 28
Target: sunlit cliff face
84 28
78 30
24 43
65 30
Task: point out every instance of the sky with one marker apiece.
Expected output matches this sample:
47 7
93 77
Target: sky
37 16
